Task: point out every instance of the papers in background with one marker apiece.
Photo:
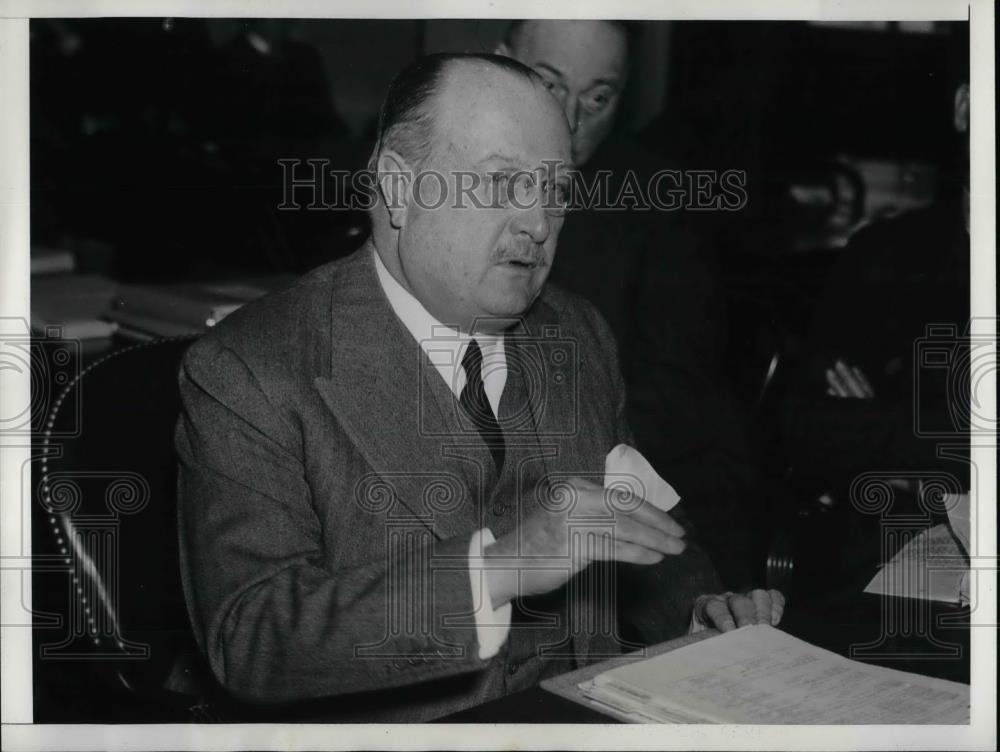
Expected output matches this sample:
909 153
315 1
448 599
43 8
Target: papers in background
146 311
931 567
625 466
51 260
72 303
93 307
189 307
759 674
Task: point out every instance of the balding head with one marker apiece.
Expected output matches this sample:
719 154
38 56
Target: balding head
470 229
407 118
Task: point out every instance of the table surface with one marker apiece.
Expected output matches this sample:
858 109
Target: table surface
901 633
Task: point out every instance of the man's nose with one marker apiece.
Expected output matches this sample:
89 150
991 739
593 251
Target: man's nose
571 106
532 220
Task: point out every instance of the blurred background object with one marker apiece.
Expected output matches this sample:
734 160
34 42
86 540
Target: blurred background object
159 137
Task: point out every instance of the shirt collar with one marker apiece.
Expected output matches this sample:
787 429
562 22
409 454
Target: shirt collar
444 345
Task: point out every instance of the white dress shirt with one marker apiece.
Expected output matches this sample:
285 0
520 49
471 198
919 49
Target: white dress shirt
445 347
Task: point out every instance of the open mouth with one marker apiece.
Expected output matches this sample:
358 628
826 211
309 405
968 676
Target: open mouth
522 263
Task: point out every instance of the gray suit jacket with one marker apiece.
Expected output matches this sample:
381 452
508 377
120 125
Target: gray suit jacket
329 491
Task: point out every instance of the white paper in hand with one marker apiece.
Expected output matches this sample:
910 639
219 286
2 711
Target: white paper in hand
625 467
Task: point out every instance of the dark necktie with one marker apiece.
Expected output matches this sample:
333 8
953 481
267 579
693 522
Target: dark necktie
477 406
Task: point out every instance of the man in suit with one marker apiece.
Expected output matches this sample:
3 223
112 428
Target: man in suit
391 484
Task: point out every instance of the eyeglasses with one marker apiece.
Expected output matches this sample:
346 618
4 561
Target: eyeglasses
526 189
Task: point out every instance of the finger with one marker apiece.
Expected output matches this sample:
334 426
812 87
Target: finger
631 530
854 387
863 380
717 613
835 383
777 606
777 597
762 606
831 392
743 610
629 553
647 514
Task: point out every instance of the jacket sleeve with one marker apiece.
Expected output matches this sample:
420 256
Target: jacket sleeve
275 624
655 602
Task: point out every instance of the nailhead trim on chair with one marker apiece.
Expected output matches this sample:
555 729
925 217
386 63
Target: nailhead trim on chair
46 497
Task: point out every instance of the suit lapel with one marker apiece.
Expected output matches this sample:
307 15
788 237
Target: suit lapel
554 377
388 398
405 421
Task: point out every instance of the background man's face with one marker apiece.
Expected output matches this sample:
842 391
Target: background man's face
464 262
584 64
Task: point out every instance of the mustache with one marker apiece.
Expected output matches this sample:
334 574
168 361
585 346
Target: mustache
523 254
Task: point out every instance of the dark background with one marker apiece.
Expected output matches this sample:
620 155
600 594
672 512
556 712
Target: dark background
154 141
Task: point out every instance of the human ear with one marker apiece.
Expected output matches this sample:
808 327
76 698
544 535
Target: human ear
395 181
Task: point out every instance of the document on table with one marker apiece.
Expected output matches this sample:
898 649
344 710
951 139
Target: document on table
931 567
759 674
960 523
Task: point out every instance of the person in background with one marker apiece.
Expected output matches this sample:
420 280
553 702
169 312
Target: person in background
877 390
657 282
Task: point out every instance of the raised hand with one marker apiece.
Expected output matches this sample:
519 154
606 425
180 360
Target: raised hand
539 556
